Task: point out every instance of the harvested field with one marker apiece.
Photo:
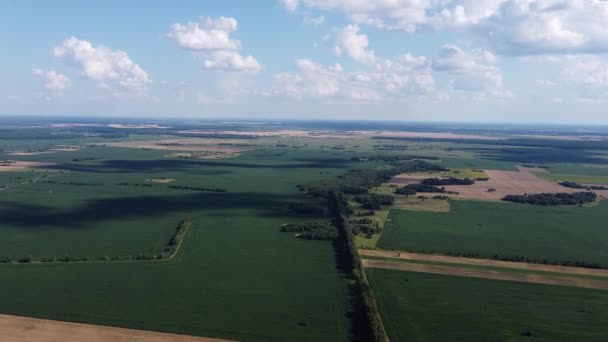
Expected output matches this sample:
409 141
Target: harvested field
406 179
194 148
488 274
60 148
12 165
25 329
503 182
346 134
161 180
484 262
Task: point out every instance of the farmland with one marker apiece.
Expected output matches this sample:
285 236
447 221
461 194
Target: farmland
488 229
429 307
178 230
233 240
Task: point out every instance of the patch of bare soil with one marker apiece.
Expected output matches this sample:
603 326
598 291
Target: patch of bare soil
59 148
406 179
500 184
432 135
161 180
13 165
565 137
488 274
346 134
484 262
192 147
25 329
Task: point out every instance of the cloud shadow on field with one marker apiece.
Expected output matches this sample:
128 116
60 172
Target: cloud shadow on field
124 208
163 165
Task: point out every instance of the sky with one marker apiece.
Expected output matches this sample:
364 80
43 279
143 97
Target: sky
528 61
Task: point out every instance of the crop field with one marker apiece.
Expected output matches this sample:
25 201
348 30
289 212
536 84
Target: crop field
430 307
87 224
555 234
233 240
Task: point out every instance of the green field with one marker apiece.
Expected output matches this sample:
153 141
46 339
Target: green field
428 307
504 229
236 276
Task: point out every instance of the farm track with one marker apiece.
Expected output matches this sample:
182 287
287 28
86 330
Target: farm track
25 329
488 274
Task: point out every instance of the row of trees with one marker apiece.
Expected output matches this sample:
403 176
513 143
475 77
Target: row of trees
374 201
412 189
514 258
359 181
560 198
168 251
196 188
70 183
311 230
575 185
447 181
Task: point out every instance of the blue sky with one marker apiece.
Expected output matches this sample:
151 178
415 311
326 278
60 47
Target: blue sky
451 60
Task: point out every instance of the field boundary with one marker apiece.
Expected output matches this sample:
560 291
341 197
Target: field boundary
27 329
404 255
488 274
162 256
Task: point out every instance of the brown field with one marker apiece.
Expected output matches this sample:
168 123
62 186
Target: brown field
405 179
488 274
504 182
12 165
24 329
195 147
161 180
565 137
484 262
346 134
60 148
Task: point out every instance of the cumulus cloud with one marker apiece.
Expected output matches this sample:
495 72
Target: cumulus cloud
406 75
588 69
101 63
350 42
520 27
387 14
54 81
211 38
470 71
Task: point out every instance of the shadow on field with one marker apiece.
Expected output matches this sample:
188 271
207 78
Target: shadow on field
119 166
539 155
34 216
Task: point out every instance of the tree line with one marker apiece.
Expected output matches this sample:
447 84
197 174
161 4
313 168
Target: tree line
196 188
311 230
515 258
560 198
575 185
168 251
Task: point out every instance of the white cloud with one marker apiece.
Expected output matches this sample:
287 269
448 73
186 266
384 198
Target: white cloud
290 5
314 21
231 60
211 38
519 27
470 71
408 75
588 69
209 34
102 63
387 14
350 42
54 81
